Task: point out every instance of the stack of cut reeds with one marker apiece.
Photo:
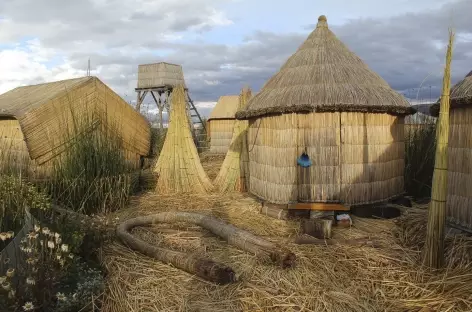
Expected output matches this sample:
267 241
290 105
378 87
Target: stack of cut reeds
179 168
234 173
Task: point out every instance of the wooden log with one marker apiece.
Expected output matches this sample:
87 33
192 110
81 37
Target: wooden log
319 228
233 235
307 240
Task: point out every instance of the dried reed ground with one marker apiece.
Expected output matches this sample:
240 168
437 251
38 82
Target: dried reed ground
334 278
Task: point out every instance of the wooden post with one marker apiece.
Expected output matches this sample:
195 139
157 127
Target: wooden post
433 255
138 101
319 228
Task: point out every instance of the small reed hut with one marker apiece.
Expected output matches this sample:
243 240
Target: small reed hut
220 124
459 188
37 121
326 129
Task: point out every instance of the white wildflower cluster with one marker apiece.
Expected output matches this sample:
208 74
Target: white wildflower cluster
41 248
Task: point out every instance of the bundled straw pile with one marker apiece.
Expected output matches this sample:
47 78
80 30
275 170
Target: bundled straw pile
178 168
234 173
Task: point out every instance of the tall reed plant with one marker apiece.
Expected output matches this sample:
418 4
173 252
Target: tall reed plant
420 147
92 175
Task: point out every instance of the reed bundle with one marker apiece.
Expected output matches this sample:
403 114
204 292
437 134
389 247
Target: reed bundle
434 247
178 168
234 173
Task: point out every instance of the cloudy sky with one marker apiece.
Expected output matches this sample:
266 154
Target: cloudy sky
225 44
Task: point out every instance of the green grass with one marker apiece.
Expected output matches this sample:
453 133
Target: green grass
420 149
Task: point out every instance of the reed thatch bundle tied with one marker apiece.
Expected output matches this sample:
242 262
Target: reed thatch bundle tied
234 172
325 76
461 95
204 268
179 168
434 244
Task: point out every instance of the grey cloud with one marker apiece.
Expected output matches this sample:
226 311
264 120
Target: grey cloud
402 49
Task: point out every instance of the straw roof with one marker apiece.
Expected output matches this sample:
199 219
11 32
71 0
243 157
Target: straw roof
225 108
461 95
17 102
324 75
46 112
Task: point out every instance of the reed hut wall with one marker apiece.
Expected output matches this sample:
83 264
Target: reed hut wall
48 116
459 191
459 201
357 158
221 124
158 75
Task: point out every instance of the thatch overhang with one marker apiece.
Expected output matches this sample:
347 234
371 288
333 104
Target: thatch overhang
325 76
461 95
225 108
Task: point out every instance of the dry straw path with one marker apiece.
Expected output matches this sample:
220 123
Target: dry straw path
334 278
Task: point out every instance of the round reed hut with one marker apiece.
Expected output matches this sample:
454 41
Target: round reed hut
221 124
325 101
459 197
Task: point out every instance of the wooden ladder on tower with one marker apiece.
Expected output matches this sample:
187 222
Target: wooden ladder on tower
197 125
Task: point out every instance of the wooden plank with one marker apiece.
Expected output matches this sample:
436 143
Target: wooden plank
319 206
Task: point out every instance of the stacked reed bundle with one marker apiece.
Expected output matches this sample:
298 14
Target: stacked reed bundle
459 166
234 172
325 101
179 168
221 124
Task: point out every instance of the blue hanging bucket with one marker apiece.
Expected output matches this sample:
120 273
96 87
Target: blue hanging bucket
304 160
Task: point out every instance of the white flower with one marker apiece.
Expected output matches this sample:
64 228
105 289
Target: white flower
62 262
58 257
10 272
28 306
61 296
46 231
3 279
57 235
30 281
74 296
32 235
3 236
58 240
51 244
10 234
71 255
65 248
6 286
37 228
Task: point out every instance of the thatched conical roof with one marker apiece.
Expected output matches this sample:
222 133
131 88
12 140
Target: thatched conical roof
461 94
225 108
179 168
324 75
